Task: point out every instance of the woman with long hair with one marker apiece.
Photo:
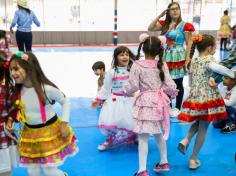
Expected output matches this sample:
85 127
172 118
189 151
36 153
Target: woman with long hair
176 56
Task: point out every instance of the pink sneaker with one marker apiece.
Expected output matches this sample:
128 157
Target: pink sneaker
143 173
161 167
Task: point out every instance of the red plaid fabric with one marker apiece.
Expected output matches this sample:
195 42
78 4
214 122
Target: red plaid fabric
5 141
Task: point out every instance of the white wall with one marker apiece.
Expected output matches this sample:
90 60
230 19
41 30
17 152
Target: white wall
98 15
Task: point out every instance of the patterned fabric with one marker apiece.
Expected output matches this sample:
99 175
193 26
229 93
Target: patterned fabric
229 96
203 102
8 140
175 53
3 108
46 145
116 116
119 136
113 82
152 105
229 62
5 140
147 126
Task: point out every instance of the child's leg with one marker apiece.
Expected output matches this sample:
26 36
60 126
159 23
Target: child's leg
192 131
232 114
225 43
230 123
202 131
161 143
52 171
183 145
142 151
34 170
221 43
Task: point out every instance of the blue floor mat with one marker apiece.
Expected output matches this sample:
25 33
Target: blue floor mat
217 154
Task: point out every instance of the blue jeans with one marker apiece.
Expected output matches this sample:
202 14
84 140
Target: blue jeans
231 118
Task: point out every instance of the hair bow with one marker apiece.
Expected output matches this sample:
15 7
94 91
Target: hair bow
197 38
22 55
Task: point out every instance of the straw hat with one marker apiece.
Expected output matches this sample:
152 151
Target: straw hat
23 3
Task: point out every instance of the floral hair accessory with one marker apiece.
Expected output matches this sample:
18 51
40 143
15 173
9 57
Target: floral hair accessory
22 55
25 57
197 38
162 38
143 37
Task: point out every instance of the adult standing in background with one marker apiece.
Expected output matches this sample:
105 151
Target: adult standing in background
23 18
176 56
225 30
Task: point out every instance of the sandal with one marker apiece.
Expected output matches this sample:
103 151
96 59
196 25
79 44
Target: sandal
194 164
183 146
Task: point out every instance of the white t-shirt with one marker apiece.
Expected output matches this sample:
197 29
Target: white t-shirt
32 110
229 97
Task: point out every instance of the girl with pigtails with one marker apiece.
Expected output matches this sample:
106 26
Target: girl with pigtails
204 104
152 106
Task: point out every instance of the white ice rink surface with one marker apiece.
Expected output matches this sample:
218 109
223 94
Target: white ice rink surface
72 71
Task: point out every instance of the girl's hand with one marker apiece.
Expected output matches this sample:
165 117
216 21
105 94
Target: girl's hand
212 83
187 65
95 103
9 125
11 30
65 130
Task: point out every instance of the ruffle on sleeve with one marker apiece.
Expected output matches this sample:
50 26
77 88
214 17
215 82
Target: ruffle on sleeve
188 27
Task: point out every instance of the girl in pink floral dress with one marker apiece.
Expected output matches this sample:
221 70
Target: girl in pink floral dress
152 106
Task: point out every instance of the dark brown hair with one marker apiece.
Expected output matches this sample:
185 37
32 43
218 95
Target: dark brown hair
152 46
35 74
207 40
226 12
168 19
5 76
3 34
117 51
27 10
99 65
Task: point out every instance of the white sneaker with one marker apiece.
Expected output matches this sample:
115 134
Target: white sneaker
174 112
104 146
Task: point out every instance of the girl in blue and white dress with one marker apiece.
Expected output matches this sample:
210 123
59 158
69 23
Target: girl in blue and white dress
116 117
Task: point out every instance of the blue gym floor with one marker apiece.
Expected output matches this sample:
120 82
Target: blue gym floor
217 154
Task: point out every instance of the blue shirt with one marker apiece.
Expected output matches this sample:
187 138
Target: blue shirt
24 20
